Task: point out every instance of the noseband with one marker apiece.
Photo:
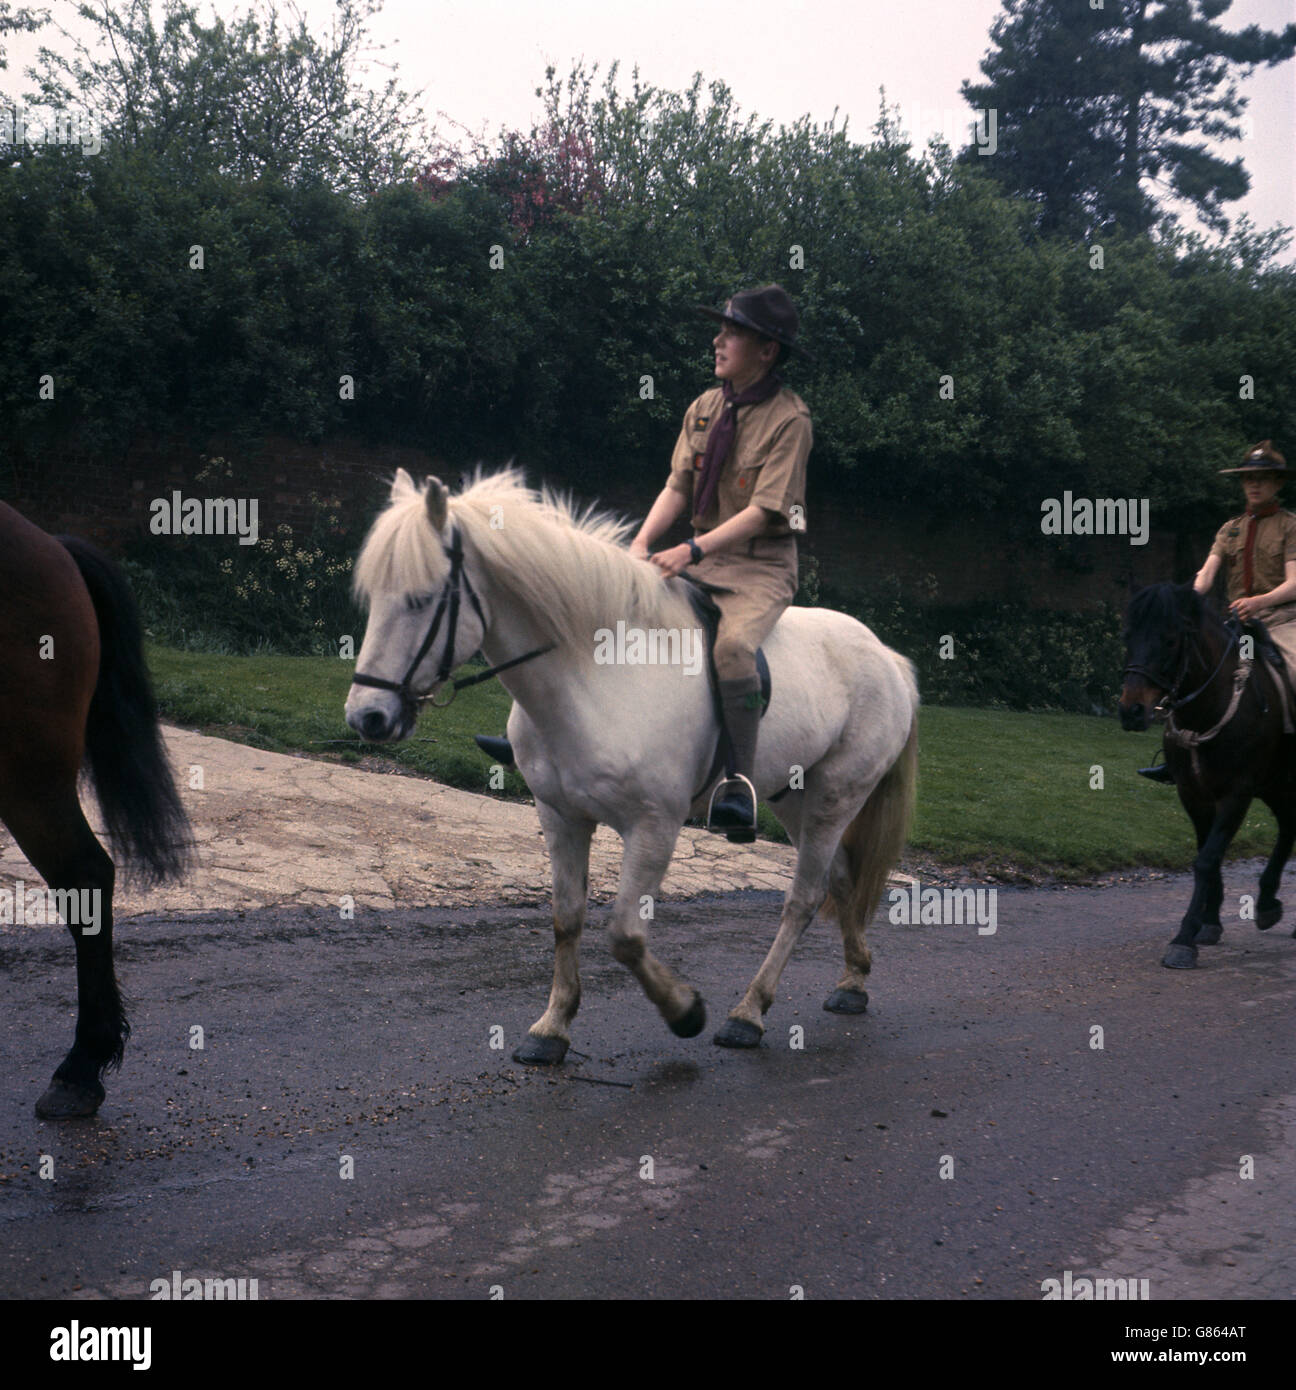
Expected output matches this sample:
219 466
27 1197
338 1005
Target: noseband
1169 702
449 601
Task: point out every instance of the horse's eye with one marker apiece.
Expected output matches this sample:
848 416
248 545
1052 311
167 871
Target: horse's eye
415 602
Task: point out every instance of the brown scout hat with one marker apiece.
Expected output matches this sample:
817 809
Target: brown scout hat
1263 458
768 311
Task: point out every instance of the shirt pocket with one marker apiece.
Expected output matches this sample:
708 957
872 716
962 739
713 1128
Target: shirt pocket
746 481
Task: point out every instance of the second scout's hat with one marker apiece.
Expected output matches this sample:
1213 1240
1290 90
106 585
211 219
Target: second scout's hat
768 311
1263 458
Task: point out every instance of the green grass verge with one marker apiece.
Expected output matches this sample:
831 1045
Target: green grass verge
1000 789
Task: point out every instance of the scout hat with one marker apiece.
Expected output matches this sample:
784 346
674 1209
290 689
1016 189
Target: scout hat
768 311
1263 458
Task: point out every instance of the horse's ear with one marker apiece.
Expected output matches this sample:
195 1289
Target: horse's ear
437 496
402 482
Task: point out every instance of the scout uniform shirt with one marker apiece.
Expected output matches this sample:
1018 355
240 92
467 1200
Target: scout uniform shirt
766 464
1275 544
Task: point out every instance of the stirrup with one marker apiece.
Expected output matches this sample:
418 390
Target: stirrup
739 832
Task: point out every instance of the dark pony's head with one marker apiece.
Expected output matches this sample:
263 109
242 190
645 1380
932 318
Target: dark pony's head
1161 624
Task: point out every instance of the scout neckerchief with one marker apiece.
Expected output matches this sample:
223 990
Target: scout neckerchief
1248 550
722 437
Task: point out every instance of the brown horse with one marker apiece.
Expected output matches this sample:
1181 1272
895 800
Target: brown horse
74 687
1225 743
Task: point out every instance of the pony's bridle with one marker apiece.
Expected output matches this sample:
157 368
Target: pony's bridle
448 602
1169 702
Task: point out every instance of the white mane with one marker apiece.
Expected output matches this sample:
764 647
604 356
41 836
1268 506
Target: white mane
571 570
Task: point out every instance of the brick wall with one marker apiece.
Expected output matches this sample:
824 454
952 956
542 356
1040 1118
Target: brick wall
942 558
108 498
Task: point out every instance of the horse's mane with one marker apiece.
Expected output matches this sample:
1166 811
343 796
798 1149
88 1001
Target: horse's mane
1169 608
570 569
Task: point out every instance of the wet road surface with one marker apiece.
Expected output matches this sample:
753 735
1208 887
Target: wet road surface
963 1139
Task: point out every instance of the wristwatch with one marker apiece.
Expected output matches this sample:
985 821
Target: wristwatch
695 552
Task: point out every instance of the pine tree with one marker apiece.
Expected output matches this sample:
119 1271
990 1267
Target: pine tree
1102 106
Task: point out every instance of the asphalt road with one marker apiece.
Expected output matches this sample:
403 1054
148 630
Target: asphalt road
962 1140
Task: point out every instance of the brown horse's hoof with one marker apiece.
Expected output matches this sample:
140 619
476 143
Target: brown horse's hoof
536 1051
737 1032
65 1101
1180 958
846 1001
692 1021
1266 917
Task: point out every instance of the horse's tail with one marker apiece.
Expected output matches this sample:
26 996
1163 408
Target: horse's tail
874 839
125 755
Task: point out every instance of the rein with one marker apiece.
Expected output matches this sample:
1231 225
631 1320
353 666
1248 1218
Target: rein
1192 739
448 601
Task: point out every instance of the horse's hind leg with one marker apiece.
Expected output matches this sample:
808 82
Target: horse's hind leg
1269 909
569 847
52 832
820 835
850 996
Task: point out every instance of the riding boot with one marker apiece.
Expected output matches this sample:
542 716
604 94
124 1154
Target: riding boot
498 748
733 809
1158 772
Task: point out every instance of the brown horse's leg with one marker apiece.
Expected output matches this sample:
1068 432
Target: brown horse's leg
52 832
1181 954
1268 908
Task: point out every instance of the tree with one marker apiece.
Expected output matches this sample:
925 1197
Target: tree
1093 102
20 21
255 98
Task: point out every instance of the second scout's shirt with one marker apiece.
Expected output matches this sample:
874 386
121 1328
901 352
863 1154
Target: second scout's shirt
1275 544
766 465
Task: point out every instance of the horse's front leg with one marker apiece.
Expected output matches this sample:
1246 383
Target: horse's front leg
568 841
649 846
1181 954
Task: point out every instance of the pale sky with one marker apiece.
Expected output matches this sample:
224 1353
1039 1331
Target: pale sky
480 61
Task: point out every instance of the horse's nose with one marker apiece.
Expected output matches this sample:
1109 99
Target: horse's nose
372 725
1133 716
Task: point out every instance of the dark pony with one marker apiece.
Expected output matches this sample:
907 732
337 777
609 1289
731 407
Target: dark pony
1224 701
74 693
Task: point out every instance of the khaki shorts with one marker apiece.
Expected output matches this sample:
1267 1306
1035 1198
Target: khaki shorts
761 579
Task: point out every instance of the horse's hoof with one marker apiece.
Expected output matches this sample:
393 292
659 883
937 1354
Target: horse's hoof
65 1101
846 1001
692 1021
1267 916
737 1032
1208 935
1180 958
536 1051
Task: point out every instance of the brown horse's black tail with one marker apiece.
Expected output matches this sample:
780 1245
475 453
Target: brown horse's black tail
124 751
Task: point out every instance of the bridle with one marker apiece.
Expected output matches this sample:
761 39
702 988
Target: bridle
1169 703
447 603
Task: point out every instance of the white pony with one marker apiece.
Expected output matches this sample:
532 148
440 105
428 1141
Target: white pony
629 742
